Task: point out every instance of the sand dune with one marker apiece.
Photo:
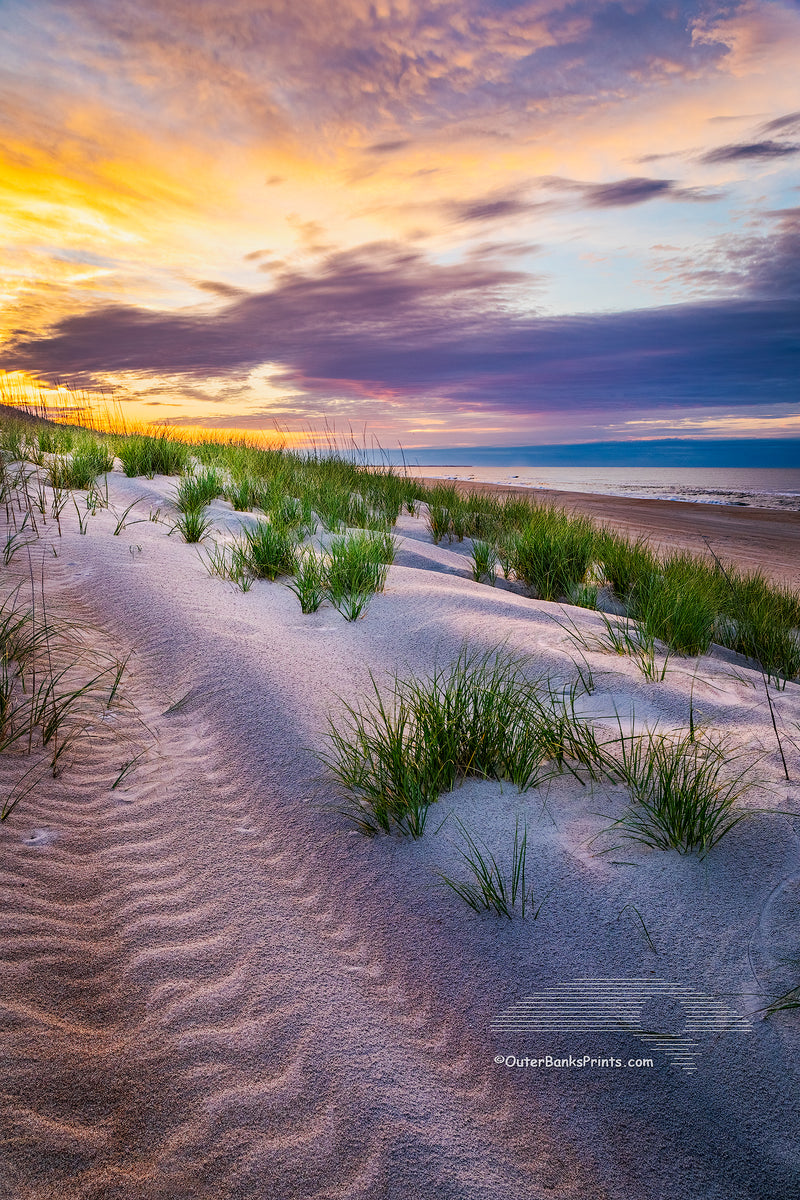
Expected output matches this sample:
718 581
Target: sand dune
754 538
213 987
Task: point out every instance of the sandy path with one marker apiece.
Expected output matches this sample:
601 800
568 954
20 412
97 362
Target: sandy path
218 991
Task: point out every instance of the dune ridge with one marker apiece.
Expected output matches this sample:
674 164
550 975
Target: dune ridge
215 988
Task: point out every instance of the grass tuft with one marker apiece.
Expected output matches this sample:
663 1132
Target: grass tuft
683 789
143 454
494 889
482 716
192 525
270 550
309 583
553 552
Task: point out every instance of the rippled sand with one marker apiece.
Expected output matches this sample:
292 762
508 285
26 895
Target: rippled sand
213 988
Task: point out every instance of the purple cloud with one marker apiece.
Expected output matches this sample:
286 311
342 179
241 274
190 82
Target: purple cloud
384 321
740 151
626 191
789 121
276 68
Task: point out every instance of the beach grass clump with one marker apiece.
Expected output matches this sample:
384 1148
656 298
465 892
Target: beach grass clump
356 568
55 440
762 622
310 580
484 561
193 525
231 563
13 440
332 506
482 716
49 685
270 550
292 512
243 493
553 552
80 469
624 562
149 455
439 522
492 888
194 492
553 732
585 595
684 790
677 605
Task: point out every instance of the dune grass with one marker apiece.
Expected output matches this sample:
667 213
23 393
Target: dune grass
552 552
684 789
310 580
504 891
677 605
680 601
484 561
148 455
231 563
356 568
80 469
56 440
482 716
49 685
194 492
395 753
623 636
193 525
270 550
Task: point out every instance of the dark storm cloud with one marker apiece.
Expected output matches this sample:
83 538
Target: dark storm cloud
384 320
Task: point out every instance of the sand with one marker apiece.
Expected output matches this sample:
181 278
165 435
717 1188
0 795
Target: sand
213 987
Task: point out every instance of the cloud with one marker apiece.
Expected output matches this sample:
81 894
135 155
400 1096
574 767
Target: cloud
620 193
789 121
389 147
385 324
496 207
226 290
623 193
740 151
250 68
626 191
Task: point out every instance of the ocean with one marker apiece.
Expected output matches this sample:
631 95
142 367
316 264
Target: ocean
756 487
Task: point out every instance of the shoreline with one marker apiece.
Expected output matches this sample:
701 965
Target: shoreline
762 539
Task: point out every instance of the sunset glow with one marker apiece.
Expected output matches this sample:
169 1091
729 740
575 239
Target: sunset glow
452 223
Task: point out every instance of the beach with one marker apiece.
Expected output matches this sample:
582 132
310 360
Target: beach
756 539
215 986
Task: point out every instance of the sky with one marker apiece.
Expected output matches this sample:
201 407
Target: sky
455 223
